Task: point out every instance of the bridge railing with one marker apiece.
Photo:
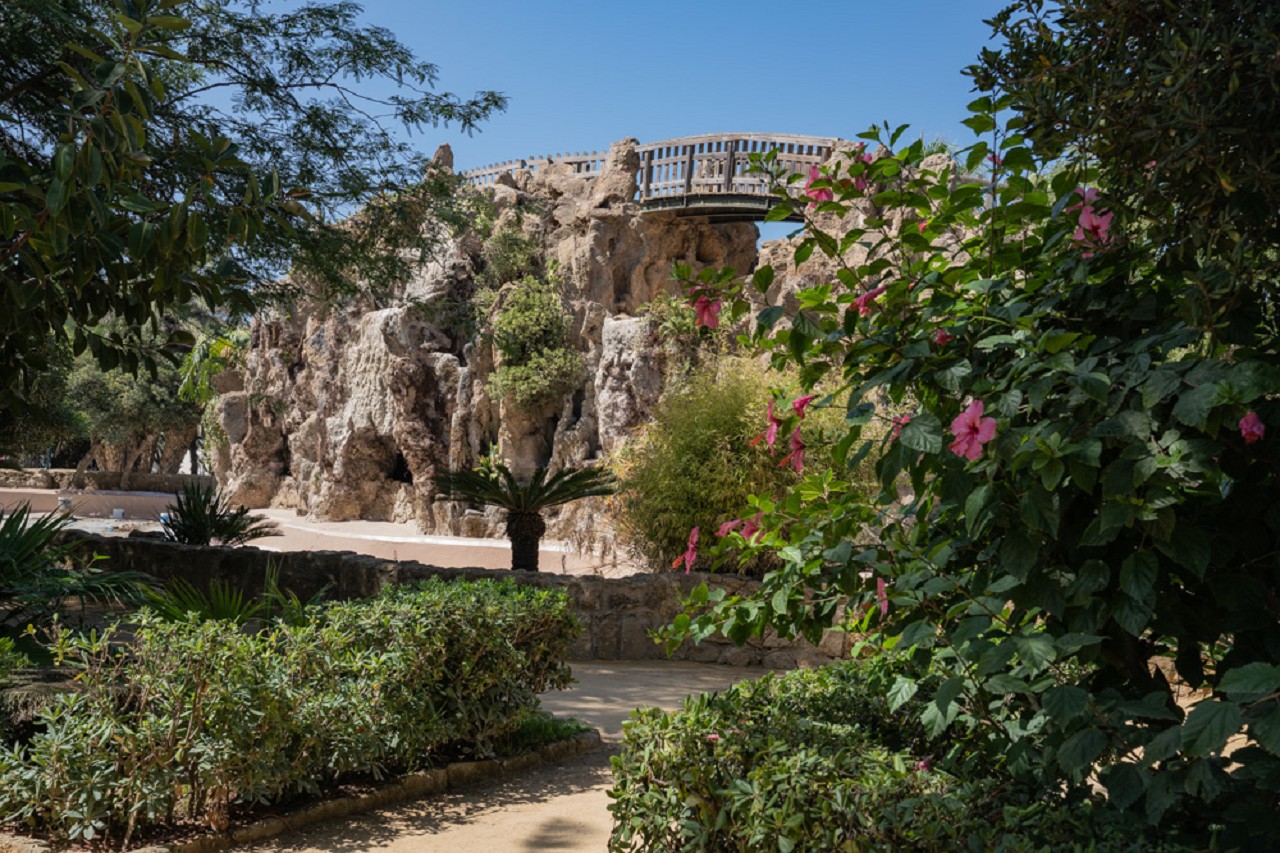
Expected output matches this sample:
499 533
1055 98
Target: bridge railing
709 165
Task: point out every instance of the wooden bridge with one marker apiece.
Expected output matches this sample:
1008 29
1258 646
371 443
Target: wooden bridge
694 175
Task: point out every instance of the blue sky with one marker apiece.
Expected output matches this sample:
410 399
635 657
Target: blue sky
580 75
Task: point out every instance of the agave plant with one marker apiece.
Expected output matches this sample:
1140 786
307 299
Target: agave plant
38 573
495 485
203 516
181 601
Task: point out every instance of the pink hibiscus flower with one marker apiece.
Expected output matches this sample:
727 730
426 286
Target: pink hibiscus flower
942 337
796 456
882 596
752 526
1252 428
690 555
898 423
972 431
770 434
707 311
799 404
867 301
816 195
728 527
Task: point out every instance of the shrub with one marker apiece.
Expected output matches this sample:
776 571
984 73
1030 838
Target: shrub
39 571
531 333
695 467
819 760
196 717
203 516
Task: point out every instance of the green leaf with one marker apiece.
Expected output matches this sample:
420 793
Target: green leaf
1138 576
1037 651
1209 725
1194 405
923 433
767 318
1079 751
1064 703
1125 784
1019 553
1250 682
900 692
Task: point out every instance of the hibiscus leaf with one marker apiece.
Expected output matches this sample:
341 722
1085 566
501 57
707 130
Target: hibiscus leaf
1064 703
1251 682
1209 725
923 433
1079 751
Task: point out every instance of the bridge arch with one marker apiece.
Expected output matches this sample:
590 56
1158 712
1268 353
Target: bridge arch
692 175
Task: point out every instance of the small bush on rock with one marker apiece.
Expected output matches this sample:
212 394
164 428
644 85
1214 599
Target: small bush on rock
193 719
531 333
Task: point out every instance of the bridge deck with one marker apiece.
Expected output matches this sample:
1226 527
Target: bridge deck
694 175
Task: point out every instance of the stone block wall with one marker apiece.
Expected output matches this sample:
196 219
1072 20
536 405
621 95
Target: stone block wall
617 613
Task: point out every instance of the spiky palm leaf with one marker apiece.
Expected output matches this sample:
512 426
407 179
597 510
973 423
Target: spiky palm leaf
524 502
203 516
501 488
38 574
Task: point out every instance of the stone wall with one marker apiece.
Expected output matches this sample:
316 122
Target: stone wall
63 478
617 613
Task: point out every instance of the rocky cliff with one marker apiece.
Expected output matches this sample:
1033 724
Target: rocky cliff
348 413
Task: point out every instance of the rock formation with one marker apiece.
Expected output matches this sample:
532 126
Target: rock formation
347 413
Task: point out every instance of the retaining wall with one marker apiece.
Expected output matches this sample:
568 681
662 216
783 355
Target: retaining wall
617 613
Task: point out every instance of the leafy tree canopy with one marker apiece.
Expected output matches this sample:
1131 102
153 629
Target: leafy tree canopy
157 151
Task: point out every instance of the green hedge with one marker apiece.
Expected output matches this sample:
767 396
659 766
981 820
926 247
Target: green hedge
815 760
188 720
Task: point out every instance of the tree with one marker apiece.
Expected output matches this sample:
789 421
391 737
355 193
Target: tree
127 188
524 502
1080 508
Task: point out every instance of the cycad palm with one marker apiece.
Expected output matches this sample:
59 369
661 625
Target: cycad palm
524 502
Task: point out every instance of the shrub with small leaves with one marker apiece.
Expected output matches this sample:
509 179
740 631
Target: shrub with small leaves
531 334
200 718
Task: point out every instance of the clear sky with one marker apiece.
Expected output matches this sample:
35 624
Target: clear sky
582 74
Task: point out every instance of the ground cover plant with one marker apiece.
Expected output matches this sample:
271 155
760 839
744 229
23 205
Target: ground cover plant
190 720
822 759
1077 520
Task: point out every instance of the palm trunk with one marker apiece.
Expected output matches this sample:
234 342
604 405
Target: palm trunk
525 530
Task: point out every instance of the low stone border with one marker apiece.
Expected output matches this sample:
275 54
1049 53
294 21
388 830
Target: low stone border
423 783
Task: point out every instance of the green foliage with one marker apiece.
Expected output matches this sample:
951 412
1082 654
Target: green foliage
1175 102
127 189
181 601
508 255
538 729
212 354
199 719
1122 514
10 659
39 573
821 760
531 333
120 408
694 465
495 485
205 516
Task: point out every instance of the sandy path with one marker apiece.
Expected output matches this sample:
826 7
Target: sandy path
562 807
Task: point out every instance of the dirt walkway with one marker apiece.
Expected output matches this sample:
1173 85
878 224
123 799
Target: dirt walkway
561 808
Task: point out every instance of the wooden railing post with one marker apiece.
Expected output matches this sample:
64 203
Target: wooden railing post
730 150
646 173
688 169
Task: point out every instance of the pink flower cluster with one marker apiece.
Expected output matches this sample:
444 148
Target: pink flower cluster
1093 229
867 301
750 526
1252 428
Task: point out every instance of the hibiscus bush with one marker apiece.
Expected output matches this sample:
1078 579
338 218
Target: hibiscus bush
1078 523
